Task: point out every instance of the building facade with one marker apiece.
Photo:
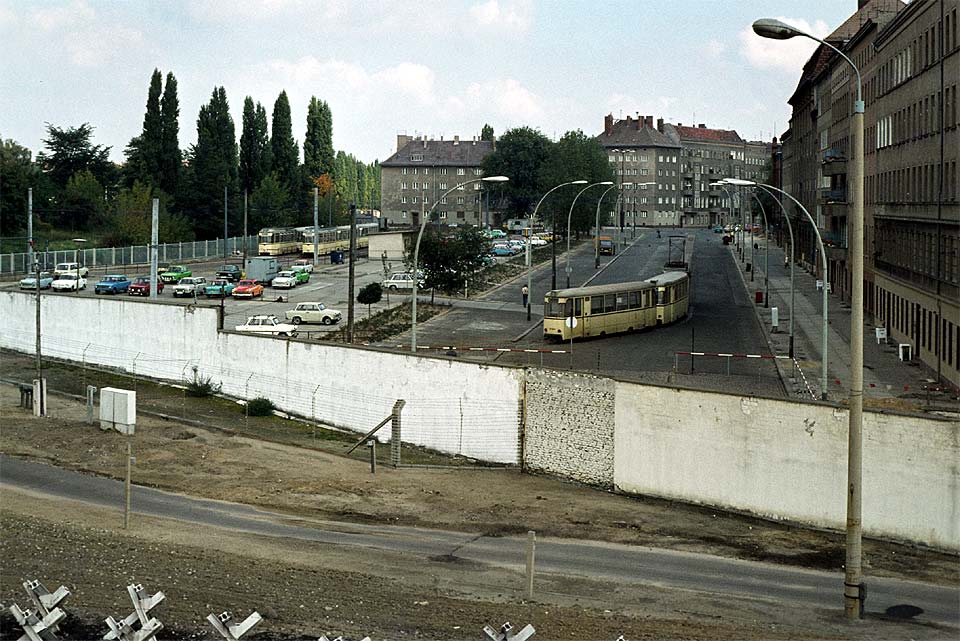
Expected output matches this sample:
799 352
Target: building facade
415 178
909 62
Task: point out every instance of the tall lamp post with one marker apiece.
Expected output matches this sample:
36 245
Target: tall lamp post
853 593
553 240
416 250
823 257
766 252
596 226
567 268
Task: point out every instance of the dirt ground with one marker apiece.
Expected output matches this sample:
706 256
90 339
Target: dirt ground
308 591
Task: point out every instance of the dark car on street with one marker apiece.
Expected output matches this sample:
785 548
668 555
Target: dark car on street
230 272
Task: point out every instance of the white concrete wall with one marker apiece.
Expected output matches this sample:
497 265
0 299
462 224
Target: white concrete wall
788 460
454 407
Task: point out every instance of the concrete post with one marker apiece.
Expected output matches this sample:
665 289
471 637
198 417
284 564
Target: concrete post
395 433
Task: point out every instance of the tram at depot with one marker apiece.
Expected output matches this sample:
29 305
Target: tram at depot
601 310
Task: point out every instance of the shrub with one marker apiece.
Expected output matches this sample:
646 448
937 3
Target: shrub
260 407
202 386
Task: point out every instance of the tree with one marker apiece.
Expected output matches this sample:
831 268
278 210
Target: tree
448 261
270 204
576 157
18 173
318 155
486 133
286 153
170 159
70 150
214 160
254 146
130 219
370 294
520 155
83 197
151 138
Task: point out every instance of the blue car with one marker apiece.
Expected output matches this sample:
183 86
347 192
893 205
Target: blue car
112 284
502 251
30 282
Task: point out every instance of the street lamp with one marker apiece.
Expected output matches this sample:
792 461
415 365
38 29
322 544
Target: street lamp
76 259
766 252
553 240
823 257
853 593
596 226
569 269
416 250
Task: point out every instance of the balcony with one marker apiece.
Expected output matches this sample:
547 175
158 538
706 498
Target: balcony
836 209
832 195
834 162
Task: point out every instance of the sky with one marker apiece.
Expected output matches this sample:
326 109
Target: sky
388 67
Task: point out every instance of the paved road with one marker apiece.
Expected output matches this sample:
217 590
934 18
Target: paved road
622 563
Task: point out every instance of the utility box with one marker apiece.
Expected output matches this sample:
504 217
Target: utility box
118 410
262 269
775 318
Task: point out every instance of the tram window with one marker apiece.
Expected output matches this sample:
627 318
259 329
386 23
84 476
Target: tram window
610 303
578 307
659 297
553 308
634 300
596 304
646 299
568 308
621 302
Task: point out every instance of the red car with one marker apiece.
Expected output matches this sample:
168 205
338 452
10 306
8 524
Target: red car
141 286
248 289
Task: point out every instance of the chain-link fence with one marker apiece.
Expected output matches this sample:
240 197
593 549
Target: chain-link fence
135 255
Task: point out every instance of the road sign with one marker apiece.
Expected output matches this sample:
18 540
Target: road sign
570 322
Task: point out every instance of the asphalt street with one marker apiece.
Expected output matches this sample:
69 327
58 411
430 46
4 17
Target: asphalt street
677 570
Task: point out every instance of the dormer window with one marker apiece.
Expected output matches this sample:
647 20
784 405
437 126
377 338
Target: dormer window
416 157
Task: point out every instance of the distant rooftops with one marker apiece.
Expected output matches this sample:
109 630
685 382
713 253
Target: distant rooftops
439 153
638 132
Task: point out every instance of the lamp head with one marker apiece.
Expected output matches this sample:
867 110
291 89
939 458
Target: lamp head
774 29
79 240
606 182
495 179
578 182
739 182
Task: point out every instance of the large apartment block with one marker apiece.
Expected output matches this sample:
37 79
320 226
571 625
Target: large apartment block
671 168
414 178
909 62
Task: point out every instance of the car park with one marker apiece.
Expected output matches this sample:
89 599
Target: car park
267 325
141 286
313 313
247 288
70 268
68 283
303 276
230 272
112 284
303 263
190 286
175 273
401 280
30 282
220 288
285 280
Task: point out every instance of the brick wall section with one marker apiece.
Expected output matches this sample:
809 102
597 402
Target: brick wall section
569 426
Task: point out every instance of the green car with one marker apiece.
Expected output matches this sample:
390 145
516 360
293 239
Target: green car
303 276
175 273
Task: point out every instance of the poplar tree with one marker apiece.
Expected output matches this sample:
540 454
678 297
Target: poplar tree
151 139
318 145
214 163
286 153
254 146
170 157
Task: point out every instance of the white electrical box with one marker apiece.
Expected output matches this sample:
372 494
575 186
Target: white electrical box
775 318
118 410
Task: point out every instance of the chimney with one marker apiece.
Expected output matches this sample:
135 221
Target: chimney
402 140
702 126
456 140
608 124
660 125
648 122
424 143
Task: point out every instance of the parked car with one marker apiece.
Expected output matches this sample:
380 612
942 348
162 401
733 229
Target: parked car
190 286
536 241
718 229
313 313
502 250
220 288
162 267
68 283
494 233
70 268
303 276
267 325
304 263
141 286
401 280
112 284
247 288
30 282
285 280
174 273
230 272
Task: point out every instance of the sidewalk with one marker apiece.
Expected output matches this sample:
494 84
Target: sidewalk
887 382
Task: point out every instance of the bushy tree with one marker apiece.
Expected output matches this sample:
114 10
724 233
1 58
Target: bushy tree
130 217
318 154
254 146
575 156
214 160
70 150
486 133
370 294
18 173
286 153
151 138
520 155
170 158
83 197
448 260
270 204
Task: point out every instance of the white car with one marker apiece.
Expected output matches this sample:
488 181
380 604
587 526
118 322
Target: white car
190 286
267 325
313 313
304 263
69 268
285 280
69 283
400 281
536 241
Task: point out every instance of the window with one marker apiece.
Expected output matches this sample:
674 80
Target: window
461 171
460 187
403 199
404 171
442 186
414 200
416 185
477 171
426 171
416 157
459 200
403 214
403 185
443 215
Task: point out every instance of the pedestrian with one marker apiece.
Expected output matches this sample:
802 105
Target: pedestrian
526 294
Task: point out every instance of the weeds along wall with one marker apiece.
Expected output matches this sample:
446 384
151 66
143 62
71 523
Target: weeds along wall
454 407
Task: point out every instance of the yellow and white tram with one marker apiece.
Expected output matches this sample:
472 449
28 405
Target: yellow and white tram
274 241
600 310
334 238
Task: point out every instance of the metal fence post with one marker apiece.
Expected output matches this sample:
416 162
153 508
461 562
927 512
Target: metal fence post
395 437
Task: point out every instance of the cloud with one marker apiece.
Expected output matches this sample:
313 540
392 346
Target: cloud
510 99
73 13
406 79
513 16
783 55
714 48
627 105
235 10
89 40
8 17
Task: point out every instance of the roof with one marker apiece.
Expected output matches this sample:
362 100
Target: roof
705 134
594 290
626 134
440 153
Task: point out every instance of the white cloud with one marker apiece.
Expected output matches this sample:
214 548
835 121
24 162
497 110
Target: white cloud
235 10
89 40
67 15
714 48
507 98
514 16
8 17
785 55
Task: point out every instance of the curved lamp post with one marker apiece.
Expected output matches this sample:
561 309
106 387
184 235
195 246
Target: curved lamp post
416 251
553 241
766 252
823 259
853 593
568 269
596 225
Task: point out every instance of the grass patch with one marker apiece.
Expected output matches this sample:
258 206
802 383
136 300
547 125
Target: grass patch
385 323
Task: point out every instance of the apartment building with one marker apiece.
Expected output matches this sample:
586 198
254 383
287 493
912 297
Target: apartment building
909 62
415 178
